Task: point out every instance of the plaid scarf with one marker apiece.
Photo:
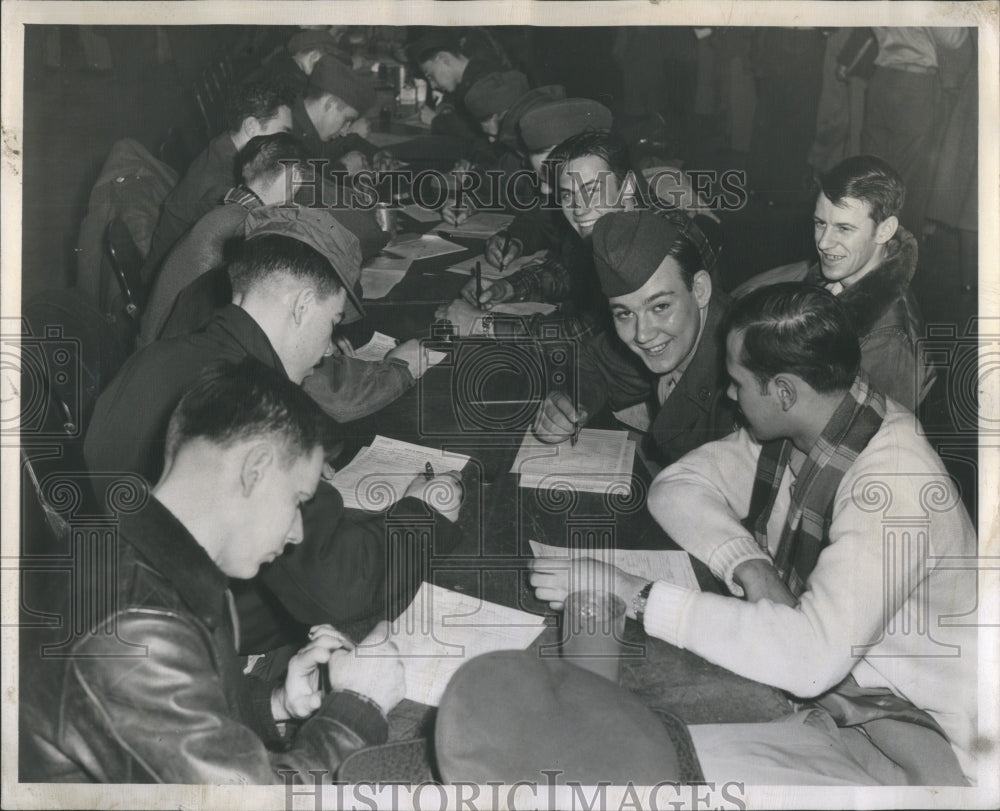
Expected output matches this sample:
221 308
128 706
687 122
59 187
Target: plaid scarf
806 532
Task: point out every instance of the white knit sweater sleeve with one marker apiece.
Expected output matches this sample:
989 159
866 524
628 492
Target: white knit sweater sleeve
701 499
849 596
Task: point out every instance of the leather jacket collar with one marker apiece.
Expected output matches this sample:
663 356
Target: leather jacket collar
172 551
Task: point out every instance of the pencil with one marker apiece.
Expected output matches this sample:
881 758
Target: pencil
503 252
479 283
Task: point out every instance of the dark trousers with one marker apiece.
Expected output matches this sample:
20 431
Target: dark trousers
900 127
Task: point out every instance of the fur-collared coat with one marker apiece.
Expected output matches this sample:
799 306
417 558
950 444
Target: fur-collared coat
885 313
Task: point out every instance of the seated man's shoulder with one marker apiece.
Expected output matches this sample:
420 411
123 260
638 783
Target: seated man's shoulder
794 272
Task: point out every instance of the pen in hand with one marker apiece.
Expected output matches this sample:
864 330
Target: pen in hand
479 283
575 435
503 252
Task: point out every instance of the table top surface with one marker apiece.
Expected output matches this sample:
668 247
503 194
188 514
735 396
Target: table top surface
498 517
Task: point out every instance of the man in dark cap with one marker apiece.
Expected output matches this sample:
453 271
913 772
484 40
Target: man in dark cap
667 313
292 67
293 283
450 71
333 100
541 129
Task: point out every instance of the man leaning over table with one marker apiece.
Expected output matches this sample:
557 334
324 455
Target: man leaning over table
163 698
594 178
660 371
292 284
794 513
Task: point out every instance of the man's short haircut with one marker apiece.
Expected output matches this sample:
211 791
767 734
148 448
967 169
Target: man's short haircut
262 157
236 402
869 179
605 145
259 100
268 256
796 328
432 52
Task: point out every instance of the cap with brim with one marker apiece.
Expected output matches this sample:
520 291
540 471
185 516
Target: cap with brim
333 76
494 93
511 715
429 43
628 248
318 229
549 124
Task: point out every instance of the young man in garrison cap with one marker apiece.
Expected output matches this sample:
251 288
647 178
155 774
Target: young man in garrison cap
666 314
807 514
163 698
867 259
254 108
439 57
542 128
333 100
499 101
293 283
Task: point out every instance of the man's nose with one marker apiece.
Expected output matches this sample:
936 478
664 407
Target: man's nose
644 330
295 532
824 240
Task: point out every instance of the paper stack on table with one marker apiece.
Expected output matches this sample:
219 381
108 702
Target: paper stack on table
378 476
601 462
670 565
382 274
484 224
489 272
381 345
423 247
523 308
442 629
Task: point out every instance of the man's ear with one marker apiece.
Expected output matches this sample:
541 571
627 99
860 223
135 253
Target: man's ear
784 388
256 462
886 230
701 286
250 126
303 300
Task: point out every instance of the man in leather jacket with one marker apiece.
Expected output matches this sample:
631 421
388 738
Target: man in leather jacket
153 690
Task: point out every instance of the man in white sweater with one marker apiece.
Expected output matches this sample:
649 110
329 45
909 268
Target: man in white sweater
837 525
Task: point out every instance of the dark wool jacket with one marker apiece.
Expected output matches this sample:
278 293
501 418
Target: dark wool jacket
696 411
162 698
885 314
338 573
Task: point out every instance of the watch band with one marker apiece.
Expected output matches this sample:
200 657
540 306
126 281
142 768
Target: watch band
639 602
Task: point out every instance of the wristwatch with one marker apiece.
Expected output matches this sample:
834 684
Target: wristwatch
639 602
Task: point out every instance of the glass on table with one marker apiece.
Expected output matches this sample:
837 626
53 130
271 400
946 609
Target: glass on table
593 629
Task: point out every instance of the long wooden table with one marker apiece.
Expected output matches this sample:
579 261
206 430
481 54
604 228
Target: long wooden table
499 518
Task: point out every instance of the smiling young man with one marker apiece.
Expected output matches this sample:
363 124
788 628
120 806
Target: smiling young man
867 260
807 514
163 699
661 372
292 284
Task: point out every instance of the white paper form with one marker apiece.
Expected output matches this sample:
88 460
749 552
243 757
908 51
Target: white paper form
442 629
600 462
382 274
423 247
377 348
489 272
379 474
484 224
669 565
